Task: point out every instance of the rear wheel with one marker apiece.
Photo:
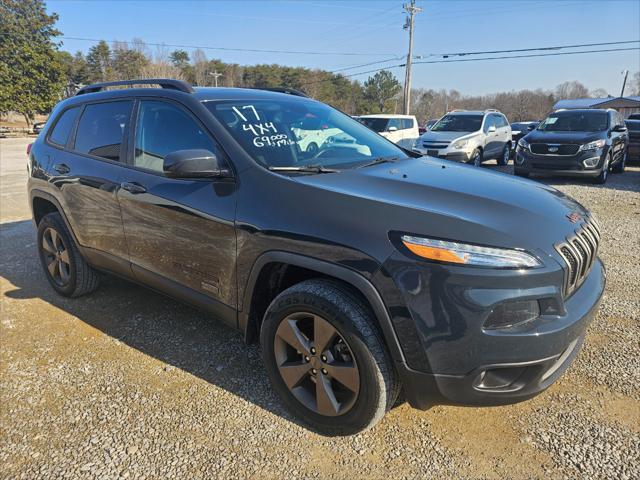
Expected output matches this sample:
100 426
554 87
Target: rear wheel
504 158
66 270
325 358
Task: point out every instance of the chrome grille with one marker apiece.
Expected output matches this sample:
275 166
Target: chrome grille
579 252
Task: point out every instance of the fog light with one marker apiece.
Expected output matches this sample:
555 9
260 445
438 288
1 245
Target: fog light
519 159
509 314
591 162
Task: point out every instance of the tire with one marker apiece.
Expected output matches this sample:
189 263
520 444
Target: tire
622 164
476 158
312 148
308 306
64 267
504 158
604 173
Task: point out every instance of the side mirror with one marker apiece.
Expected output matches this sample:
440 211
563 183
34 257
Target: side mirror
492 129
531 127
392 129
194 164
620 128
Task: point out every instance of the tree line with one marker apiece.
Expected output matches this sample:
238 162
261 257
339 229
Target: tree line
35 73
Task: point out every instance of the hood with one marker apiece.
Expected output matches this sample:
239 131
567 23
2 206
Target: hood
575 138
431 197
443 136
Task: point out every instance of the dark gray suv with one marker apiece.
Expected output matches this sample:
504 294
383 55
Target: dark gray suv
362 269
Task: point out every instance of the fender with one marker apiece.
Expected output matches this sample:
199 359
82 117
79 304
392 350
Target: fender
364 286
37 193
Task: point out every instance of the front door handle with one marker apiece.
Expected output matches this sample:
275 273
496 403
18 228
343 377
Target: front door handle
133 187
61 168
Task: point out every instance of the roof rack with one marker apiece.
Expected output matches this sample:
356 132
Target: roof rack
490 110
168 83
289 91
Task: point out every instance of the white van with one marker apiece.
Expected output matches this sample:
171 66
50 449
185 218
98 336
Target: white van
400 129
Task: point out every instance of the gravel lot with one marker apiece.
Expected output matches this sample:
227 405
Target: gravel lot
129 384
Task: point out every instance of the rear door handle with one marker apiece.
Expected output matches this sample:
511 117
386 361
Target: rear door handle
133 187
61 168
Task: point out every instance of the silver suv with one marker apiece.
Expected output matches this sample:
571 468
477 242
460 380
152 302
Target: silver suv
469 137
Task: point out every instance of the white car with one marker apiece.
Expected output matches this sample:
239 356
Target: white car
469 137
400 129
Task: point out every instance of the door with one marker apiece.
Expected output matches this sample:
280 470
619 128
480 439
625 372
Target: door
180 232
491 146
504 131
87 173
618 138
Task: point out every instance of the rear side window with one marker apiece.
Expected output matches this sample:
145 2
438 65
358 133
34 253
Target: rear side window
62 129
101 129
407 123
163 128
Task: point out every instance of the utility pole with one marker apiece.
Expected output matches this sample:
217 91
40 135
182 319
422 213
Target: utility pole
624 82
412 10
215 76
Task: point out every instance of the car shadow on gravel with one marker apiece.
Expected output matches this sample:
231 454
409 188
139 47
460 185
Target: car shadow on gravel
175 334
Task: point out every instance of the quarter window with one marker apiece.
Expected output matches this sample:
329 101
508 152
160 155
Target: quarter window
101 129
163 128
407 123
62 129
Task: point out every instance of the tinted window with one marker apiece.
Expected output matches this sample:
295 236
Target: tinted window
163 128
575 121
633 125
270 132
394 122
375 124
62 129
458 123
101 129
407 123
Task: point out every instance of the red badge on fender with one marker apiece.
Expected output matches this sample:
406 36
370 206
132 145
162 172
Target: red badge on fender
574 217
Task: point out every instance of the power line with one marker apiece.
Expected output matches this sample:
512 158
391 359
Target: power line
231 49
460 60
351 67
527 56
556 47
412 10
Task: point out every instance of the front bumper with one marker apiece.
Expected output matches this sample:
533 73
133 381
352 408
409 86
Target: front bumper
445 153
562 165
452 359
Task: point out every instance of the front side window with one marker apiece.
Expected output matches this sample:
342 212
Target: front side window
458 123
576 121
62 129
163 128
101 129
489 122
281 133
394 123
375 124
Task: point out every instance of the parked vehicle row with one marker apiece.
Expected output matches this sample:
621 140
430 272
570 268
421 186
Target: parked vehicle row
453 284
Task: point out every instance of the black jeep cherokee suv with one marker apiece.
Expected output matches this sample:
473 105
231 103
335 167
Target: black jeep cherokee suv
361 268
583 143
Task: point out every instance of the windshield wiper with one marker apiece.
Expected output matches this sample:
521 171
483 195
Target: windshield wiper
377 161
304 169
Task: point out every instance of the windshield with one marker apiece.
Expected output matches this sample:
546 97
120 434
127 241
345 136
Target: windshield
575 122
375 124
298 133
458 123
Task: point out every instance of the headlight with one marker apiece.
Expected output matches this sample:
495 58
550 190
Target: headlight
592 145
522 143
460 144
466 254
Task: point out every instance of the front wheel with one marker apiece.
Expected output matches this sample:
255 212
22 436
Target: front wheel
476 158
604 173
622 164
326 359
